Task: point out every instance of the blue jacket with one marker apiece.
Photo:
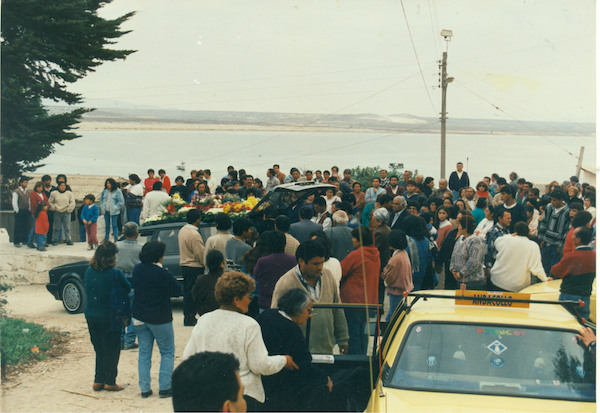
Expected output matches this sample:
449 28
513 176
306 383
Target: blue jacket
97 289
153 288
90 213
117 201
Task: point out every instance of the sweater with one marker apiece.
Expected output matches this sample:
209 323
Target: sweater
61 201
577 270
231 332
555 225
35 198
203 292
128 255
352 288
97 289
42 225
154 286
90 213
517 258
288 390
217 242
267 271
341 241
467 258
328 326
191 247
235 250
397 274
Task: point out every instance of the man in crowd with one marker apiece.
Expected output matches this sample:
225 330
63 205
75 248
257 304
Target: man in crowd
293 177
514 179
328 326
48 187
393 188
62 203
282 223
499 229
470 198
517 258
411 191
179 188
127 257
553 229
249 189
340 235
21 207
442 188
372 193
517 211
405 179
318 176
278 174
399 212
272 180
191 260
219 240
236 247
458 180
301 230
152 204
384 178
322 217
578 271
208 382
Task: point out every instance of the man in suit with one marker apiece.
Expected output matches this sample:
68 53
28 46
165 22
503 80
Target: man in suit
458 180
399 212
301 230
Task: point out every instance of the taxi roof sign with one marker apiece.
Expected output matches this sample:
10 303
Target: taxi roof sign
491 298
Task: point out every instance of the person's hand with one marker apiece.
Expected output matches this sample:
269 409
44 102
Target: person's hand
329 384
549 278
343 348
487 271
290 365
586 335
456 274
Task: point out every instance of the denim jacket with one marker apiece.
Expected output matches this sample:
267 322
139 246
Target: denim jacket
117 201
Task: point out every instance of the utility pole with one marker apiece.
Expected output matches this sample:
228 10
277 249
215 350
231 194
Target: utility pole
579 161
447 35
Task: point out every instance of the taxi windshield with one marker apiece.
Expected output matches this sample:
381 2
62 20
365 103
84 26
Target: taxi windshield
497 360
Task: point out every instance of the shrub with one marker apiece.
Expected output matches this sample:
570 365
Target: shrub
365 175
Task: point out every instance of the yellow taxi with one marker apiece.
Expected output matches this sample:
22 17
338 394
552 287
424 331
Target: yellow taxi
489 352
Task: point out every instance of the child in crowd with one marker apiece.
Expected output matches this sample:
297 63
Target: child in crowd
89 216
41 225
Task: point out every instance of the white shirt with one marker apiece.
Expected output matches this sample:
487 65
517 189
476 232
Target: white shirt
517 258
484 226
232 332
152 204
137 189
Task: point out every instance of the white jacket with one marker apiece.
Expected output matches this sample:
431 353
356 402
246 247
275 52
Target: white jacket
517 258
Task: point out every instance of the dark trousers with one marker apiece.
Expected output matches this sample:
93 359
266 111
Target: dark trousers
551 255
358 340
23 220
253 405
107 345
189 279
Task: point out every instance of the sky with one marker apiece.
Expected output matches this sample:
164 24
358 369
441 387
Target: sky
511 59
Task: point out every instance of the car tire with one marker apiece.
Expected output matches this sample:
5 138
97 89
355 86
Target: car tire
73 296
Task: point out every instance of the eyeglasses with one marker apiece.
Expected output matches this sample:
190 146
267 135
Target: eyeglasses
310 310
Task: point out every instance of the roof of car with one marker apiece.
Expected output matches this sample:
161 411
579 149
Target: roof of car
301 186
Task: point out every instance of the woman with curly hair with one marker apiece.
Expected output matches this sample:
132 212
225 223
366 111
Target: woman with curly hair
228 330
99 279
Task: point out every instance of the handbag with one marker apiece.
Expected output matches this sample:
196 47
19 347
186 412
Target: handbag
120 303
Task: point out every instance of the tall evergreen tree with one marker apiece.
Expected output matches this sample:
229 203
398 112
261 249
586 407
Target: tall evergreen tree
46 45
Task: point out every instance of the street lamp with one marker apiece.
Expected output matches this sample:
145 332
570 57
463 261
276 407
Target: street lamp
447 35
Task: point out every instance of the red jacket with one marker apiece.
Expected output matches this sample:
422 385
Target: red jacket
41 223
352 288
35 199
578 270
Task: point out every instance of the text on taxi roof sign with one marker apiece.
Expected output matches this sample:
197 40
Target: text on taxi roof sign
491 299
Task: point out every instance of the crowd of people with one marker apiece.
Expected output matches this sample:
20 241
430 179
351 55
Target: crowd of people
250 288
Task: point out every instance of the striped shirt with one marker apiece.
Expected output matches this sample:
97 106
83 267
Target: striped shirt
556 225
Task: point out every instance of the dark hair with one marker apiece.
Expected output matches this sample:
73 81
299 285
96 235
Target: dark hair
214 258
591 197
262 248
105 256
309 249
205 381
522 229
207 172
427 180
529 208
294 301
452 211
415 227
582 218
61 177
157 186
113 184
135 178
412 204
481 203
509 189
308 171
320 201
346 207
222 221
397 239
320 236
46 178
558 194
179 178
521 181
152 252
376 177
271 171
306 212
277 241
91 197
468 222
192 216
533 202
585 234
39 208
411 182
356 183
501 181
384 199
162 171
150 170
365 233
233 174
576 205
282 223
241 225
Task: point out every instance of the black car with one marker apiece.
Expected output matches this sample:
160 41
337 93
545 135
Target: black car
66 281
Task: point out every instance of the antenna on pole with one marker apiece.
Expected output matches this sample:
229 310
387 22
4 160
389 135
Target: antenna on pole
447 35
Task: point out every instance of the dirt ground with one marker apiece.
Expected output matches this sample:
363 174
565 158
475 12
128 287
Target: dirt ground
64 383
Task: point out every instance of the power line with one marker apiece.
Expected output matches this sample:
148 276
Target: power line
417 58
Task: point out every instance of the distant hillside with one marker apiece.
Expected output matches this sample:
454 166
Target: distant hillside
151 118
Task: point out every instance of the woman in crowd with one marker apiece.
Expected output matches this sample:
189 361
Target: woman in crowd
359 196
203 291
444 226
483 191
153 319
111 202
331 263
397 274
589 203
35 197
99 280
479 211
416 229
228 330
466 263
486 223
133 198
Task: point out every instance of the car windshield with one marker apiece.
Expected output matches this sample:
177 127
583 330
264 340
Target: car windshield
282 199
498 360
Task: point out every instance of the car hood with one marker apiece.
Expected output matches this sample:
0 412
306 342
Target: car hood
77 264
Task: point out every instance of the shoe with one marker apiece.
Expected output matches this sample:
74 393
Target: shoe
189 322
43 249
18 245
31 245
90 247
113 387
131 346
146 394
98 386
69 242
165 393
